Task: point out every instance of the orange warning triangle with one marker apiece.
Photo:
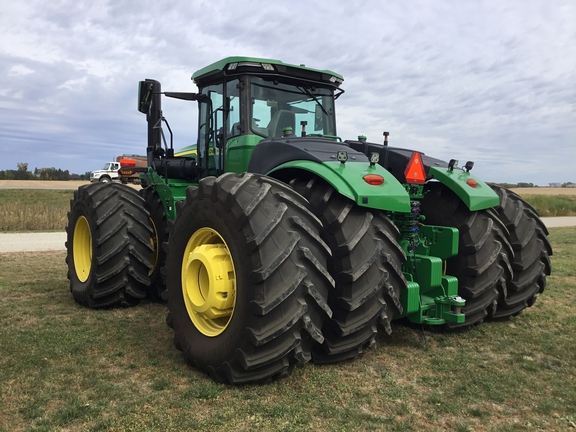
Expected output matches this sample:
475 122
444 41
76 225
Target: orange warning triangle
415 170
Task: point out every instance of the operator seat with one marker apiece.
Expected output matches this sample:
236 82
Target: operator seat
282 119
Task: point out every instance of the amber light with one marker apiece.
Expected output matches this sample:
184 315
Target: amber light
373 179
472 183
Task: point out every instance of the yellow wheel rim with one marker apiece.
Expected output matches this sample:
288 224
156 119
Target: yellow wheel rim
82 247
208 282
154 244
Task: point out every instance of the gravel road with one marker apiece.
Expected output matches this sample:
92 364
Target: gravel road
32 242
54 241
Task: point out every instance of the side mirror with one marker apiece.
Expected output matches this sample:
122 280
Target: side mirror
145 96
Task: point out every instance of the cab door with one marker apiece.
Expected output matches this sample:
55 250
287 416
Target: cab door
219 120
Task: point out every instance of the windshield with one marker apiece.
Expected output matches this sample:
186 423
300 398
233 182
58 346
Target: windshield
108 166
276 106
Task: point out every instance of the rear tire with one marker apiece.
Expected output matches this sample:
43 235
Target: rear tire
366 266
159 235
531 258
482 264
108 246
250 242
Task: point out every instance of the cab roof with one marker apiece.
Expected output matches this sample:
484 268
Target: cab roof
237 65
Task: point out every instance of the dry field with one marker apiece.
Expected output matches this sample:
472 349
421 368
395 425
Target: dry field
544 191
41 184
45 184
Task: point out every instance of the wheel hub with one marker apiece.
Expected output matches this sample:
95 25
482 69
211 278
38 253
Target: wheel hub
208 282
82 249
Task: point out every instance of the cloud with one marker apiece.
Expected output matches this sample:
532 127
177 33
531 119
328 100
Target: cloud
489 81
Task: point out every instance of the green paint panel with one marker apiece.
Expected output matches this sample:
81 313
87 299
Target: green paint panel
347 179
170 191
190 150
429 271
441 242
476 198
238 152
410 298
450 285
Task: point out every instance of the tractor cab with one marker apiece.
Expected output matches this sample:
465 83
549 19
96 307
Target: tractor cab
243 101
266 107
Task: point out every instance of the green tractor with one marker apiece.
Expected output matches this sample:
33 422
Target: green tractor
275 242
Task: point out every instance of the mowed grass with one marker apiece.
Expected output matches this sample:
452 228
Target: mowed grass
34 209
64 367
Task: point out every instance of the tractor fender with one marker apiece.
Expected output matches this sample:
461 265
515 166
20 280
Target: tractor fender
475 193
318 155
347 179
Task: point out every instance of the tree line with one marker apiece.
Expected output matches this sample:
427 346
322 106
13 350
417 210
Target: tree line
22 173
530 185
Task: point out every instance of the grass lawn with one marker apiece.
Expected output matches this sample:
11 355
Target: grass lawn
64 367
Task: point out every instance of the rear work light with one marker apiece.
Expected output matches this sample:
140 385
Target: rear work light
415 170
373 179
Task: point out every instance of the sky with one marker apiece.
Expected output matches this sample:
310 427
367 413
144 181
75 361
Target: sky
489 81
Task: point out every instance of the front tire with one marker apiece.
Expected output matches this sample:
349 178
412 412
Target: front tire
107 246
366 266
482 265
246 278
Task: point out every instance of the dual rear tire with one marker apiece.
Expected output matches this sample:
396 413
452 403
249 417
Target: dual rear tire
260 279
366 266
530 259
504 254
